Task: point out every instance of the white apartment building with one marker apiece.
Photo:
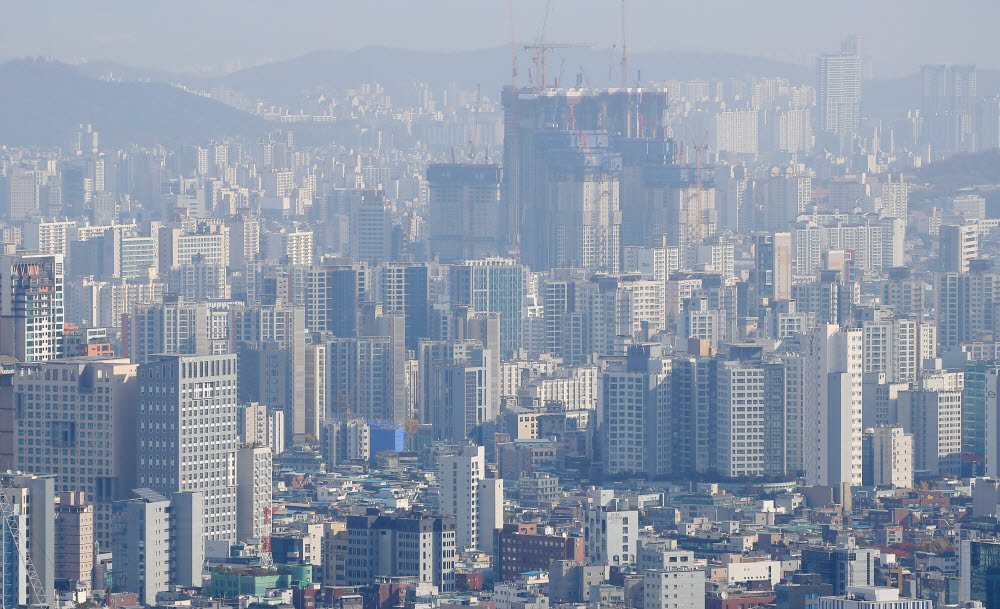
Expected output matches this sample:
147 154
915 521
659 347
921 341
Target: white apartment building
611 533
474 500
253 492
832 387
740 412
892 457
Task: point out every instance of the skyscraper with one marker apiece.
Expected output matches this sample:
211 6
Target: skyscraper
187 433
838 92
493 285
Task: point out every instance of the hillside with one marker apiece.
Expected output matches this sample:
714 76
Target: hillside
52 98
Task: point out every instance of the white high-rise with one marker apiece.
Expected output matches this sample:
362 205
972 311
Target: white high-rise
474 500
831 405
187 434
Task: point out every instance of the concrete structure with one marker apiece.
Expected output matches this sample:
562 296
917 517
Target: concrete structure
74 541
611 531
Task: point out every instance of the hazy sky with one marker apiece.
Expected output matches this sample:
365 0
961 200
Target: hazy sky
219 34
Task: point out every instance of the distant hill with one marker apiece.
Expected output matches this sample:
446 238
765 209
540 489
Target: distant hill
963 170
44 101
396 69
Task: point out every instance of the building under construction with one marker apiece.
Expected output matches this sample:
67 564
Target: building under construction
589 171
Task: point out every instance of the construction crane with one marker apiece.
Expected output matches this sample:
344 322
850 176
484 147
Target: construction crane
624 52
475 126
513 49
700 147
11 524
540 49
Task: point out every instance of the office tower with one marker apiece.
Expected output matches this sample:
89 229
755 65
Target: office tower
32 500
457 388
371 227
492 285
832 405
199 281
382 546
270 342
187 433
843 566
406 292
991 423
610 530
888 457
771 279
934 419
740 426
74 541
978 560
59 402
157 542
838 92
31 307
473 499
933 89
974 406
465 215
633 428
958 246
253 491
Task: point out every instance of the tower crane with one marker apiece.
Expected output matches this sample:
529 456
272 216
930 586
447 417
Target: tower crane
700 147
475 126
540 49
11 525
